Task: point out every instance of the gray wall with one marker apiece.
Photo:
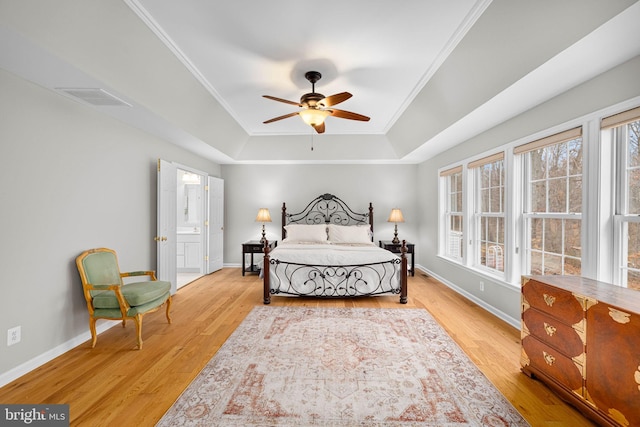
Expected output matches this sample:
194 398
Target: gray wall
615 86
71 179
250 187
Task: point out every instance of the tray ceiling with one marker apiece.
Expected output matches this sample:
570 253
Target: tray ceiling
430 74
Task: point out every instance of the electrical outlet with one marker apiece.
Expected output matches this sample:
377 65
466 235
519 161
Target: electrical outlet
14 335
482 286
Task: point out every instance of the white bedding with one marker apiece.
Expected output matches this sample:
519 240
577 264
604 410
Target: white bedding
330 254
299 269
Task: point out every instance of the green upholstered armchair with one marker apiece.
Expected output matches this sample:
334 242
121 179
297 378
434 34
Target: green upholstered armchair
108 297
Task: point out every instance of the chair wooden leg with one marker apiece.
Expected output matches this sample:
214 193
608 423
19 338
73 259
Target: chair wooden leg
138 320
92 328
168 308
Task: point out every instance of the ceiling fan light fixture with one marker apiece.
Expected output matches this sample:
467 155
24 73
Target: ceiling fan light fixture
314 105
313 117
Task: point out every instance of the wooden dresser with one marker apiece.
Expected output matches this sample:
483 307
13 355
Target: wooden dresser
582 338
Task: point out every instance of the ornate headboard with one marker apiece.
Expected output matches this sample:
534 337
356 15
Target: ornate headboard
327 209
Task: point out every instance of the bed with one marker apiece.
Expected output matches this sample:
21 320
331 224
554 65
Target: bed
327 251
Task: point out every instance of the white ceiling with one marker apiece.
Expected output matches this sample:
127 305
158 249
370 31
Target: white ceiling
430 74
381 52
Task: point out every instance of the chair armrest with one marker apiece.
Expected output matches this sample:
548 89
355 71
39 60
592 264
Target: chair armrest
117 289
149 273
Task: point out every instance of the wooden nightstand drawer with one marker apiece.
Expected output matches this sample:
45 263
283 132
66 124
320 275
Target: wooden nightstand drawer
556 302
552 363
256 249
556 334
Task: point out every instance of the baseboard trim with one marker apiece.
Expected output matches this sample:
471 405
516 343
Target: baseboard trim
48 356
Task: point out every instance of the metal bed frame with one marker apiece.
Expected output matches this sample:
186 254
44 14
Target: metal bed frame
333 281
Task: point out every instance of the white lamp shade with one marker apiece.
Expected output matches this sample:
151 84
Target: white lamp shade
395 216
263 215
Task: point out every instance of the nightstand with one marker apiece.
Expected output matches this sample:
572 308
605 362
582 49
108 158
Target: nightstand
253 247
395 248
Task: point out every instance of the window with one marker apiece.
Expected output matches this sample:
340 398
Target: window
453 212
553 203
489 212
626 126
571 205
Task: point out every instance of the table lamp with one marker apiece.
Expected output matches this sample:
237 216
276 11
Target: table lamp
396 217
263 216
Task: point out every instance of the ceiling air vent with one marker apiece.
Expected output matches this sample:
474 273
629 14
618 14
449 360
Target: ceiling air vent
99 97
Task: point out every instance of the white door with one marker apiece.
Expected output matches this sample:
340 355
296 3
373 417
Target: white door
216 224
166 235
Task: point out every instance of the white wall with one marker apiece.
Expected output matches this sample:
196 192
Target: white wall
71 179
615 86
250 187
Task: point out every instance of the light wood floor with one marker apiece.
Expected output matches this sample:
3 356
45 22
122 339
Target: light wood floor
114 384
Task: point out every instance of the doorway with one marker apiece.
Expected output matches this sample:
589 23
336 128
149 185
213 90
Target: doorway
190 216
190 221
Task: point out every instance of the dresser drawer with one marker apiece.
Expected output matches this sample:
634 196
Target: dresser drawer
556 334
552 363
556 302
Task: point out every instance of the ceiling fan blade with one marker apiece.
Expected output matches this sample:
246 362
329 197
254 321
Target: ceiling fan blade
348 115
319 128
335 99
282 100
275 119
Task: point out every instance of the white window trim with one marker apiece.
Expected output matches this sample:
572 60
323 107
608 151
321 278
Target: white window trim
513 222
600 158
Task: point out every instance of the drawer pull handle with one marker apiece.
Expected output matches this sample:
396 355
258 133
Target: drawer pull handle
550 330
548 358
549 300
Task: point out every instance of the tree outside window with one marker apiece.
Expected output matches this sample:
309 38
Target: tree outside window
555 208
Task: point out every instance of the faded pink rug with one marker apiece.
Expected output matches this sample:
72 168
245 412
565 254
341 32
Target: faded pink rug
296 366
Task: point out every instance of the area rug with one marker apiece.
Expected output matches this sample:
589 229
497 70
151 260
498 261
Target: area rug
297 366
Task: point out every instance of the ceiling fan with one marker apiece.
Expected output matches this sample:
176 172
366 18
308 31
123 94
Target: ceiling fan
315 106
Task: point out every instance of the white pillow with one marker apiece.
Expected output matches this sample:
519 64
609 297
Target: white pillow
311 233
349 234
